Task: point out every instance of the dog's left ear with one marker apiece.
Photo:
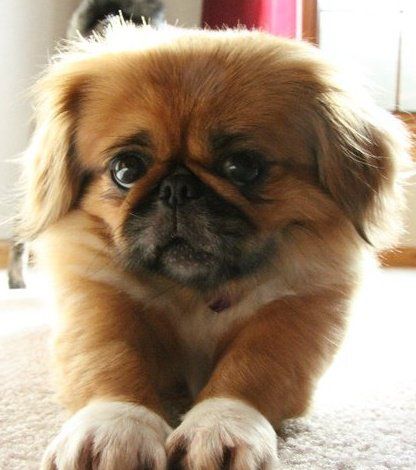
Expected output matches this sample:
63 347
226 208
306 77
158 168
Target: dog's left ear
51 176
361 151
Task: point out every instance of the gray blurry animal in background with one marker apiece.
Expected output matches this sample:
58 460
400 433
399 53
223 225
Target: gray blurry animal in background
90 16
17 263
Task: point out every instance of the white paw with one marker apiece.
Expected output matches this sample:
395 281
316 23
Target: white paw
223 433
109 436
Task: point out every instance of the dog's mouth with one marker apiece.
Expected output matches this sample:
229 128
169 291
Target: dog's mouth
180 259
180 250
198 258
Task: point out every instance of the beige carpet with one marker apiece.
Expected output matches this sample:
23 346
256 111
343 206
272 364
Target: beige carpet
364 416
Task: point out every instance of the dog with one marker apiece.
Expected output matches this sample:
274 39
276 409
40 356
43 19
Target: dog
203 202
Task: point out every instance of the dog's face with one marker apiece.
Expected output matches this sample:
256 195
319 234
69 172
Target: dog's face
183 172
201 155
184 168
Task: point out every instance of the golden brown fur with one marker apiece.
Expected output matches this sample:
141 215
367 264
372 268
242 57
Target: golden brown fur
147 340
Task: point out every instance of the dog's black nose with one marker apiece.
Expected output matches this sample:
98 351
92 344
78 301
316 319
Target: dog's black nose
179 188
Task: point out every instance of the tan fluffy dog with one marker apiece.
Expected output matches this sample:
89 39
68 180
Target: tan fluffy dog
205 200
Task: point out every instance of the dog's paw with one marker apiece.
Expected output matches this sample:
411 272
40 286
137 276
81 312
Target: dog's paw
222 433
109 436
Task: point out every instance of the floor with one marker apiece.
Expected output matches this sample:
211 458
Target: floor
364 414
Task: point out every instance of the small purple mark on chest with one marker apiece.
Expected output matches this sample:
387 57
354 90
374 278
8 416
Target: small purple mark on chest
220 304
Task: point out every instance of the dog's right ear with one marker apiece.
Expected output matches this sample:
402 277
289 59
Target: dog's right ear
51 176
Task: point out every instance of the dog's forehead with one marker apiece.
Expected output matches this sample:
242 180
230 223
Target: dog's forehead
184 99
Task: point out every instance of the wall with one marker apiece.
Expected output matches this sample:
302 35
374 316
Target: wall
184 12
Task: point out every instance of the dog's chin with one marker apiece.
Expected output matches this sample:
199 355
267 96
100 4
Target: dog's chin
190 265
182 262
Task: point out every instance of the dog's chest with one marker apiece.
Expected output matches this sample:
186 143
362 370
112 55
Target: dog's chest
201 330
200 334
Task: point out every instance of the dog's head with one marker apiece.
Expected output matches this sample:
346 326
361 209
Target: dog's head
199 150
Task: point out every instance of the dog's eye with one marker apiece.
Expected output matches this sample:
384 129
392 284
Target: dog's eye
128 167
242 169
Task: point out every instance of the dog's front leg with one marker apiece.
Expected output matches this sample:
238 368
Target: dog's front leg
107 368
264 373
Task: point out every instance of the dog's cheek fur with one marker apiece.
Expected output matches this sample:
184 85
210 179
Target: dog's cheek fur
52 177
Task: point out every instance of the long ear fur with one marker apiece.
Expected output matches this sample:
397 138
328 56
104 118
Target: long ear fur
362 153
50 174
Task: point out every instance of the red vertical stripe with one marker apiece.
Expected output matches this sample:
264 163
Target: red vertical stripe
275 16
217 13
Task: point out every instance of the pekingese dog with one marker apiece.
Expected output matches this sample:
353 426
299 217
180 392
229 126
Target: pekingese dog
203 201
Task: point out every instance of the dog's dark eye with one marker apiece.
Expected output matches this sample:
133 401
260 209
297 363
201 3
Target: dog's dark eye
242 169
128 167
